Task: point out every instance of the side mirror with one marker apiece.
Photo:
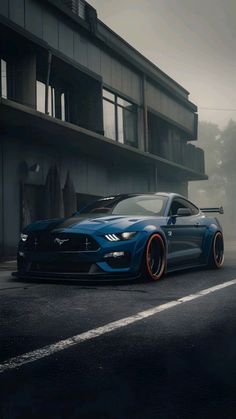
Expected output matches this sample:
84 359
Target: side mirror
184 212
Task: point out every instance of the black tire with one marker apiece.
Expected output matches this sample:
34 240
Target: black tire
154 258
217 251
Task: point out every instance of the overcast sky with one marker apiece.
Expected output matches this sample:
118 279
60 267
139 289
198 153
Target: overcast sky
193 41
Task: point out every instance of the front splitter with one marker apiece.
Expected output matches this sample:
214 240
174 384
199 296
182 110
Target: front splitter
81 277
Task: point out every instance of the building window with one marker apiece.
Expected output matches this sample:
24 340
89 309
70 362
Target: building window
56 100
3 86
109 119
63 109
120 119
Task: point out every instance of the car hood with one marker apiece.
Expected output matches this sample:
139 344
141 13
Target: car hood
90 224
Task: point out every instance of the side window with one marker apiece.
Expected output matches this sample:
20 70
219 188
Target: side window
182 203
176 204
194 209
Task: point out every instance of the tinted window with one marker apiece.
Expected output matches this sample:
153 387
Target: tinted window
141 205
182 203
134 205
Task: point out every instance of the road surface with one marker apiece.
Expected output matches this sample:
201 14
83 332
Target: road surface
138 350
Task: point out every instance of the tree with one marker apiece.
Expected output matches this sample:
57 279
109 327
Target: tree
220 154
228 170
208 193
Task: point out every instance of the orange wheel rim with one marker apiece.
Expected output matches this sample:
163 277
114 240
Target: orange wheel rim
155 247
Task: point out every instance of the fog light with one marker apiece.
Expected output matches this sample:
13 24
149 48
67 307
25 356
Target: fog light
114 255
21 254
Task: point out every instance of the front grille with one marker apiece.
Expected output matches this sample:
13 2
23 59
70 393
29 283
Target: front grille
60 267
62 242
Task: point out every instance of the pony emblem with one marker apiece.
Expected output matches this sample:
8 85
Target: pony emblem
59 241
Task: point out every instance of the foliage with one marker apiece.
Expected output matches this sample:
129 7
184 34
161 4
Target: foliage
220 153
228 139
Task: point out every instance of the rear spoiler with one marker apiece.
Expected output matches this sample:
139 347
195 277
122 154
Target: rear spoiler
220 210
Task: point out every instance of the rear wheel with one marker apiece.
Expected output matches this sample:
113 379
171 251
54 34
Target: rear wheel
154 258
217 251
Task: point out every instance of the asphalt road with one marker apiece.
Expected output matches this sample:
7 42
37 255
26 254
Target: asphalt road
176 363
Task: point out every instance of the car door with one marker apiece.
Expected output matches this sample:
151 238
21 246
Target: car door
184 235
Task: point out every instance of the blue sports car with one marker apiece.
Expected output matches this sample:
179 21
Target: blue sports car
123 236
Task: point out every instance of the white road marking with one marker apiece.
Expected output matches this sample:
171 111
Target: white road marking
46 351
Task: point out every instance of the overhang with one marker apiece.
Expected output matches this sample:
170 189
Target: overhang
28 125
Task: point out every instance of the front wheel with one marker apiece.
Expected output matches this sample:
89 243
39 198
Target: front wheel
154 258
217 251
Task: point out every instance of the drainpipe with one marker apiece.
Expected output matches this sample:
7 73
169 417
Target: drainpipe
156 178
47 81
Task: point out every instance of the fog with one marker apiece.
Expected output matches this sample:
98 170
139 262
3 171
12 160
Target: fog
194 43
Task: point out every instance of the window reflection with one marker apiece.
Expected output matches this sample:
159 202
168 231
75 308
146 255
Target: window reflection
40 89
56 102
63 111
108 95
120 126
3 79
109 119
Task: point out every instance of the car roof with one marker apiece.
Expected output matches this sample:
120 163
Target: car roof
166 194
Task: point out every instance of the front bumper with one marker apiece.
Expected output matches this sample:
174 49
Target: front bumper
95 264
74 265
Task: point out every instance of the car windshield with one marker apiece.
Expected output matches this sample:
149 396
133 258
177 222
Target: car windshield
146 205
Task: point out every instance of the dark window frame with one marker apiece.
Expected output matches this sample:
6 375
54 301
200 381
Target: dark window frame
185 204
118 106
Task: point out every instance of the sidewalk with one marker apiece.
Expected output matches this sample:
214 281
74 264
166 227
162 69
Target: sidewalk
8 265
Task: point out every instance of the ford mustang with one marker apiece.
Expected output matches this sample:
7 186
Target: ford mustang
123 236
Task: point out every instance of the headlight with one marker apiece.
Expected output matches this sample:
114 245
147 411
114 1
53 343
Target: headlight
127 235
24 237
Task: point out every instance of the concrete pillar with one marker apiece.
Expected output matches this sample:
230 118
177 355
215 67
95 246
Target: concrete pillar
86 107
25 79
94 107
1 200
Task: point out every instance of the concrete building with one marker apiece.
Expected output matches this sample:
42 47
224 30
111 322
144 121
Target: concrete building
74 94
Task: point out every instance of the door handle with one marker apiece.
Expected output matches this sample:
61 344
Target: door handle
196 224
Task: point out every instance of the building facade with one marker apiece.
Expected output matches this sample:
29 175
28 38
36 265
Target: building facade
76 95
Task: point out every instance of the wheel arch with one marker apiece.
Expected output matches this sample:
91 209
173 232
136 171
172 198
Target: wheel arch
214 232
208 238
161 234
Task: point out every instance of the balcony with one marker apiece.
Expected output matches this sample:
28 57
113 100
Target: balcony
27 124
187 155
194 157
